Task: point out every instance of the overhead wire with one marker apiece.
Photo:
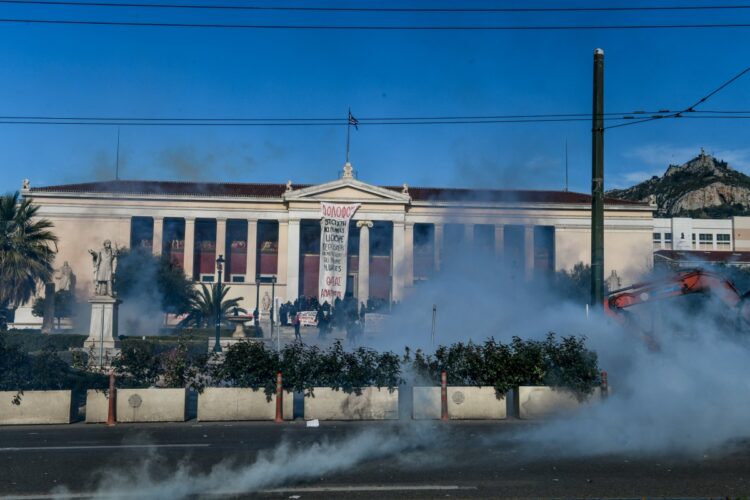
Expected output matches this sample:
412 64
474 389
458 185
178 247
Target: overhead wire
295 8
689 109
364 27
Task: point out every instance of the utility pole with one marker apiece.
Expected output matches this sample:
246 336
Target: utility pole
597 184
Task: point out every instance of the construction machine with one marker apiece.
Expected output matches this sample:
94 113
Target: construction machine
683 282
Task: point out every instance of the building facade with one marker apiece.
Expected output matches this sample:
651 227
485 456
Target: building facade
399 237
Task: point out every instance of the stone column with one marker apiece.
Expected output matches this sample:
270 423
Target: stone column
408 254
221 247
438 245
252 251
189 250
281 267
157 240
499 240
292 260
397 262
363 271
528 247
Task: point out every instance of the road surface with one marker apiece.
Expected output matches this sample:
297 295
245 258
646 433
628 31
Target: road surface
340 460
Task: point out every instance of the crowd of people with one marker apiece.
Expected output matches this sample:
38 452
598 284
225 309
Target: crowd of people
344 315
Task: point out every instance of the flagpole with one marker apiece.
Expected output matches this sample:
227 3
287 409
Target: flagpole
348 131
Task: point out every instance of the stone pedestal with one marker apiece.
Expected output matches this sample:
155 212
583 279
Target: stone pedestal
102 341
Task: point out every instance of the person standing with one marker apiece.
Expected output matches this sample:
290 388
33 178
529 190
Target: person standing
296 323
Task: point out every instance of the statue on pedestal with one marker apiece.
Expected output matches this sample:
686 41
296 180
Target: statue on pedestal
66 278
105 266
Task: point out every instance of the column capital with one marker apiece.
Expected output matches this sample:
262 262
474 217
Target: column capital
189 220
364 223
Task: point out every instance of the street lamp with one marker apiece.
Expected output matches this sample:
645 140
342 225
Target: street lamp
217 303
273 310
256 312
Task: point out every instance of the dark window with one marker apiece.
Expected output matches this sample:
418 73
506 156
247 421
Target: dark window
268 247
204 259
142 233
173 241
424 251
235 252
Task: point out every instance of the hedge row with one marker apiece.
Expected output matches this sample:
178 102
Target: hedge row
562 363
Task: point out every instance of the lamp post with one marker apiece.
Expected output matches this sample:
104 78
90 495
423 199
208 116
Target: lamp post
273 311
257 301
217 303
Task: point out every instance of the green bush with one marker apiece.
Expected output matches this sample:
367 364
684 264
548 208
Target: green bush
32 342
250 364
20 371
148 363
564 363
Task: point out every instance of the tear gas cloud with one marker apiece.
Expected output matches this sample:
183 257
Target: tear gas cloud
690 396
687 398
284 464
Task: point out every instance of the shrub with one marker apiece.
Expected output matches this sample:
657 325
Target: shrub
249 364
44 370
31 342
566 363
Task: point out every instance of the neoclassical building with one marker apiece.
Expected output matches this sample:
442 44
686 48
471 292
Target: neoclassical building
399 236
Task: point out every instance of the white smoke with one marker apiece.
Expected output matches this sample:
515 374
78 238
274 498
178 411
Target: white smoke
284 464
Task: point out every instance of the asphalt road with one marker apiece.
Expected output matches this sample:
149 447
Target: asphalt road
340 460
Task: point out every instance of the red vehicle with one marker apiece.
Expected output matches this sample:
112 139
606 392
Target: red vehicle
682 283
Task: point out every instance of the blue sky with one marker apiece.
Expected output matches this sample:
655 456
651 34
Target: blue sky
55 70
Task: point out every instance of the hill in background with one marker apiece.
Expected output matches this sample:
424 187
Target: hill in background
703 188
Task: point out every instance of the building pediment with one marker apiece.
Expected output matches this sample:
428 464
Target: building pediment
347 190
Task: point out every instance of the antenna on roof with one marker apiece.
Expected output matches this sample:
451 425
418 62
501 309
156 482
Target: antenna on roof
117 158
566 165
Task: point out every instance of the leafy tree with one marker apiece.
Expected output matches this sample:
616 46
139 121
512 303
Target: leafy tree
575 284
65 303
203 306
27 249
140 274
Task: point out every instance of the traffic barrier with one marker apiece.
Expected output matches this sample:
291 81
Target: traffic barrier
112 409
279 399
544 401
443 395
36 407
373 404
463 403
225 404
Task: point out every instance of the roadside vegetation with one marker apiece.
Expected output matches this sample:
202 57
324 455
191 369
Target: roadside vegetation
559 362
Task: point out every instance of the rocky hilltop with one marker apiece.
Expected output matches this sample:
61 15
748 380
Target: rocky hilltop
704 187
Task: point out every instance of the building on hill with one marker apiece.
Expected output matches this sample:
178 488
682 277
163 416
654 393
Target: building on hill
273 230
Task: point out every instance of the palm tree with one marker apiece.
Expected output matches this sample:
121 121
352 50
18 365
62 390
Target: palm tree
27 249
203 306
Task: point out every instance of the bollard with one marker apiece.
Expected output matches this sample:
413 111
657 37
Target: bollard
112 409
605 385
279 400
443 395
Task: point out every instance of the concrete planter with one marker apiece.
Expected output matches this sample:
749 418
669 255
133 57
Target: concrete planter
97 406
373 404
233 403
139 405
540 402
37 407
464 403
151 405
